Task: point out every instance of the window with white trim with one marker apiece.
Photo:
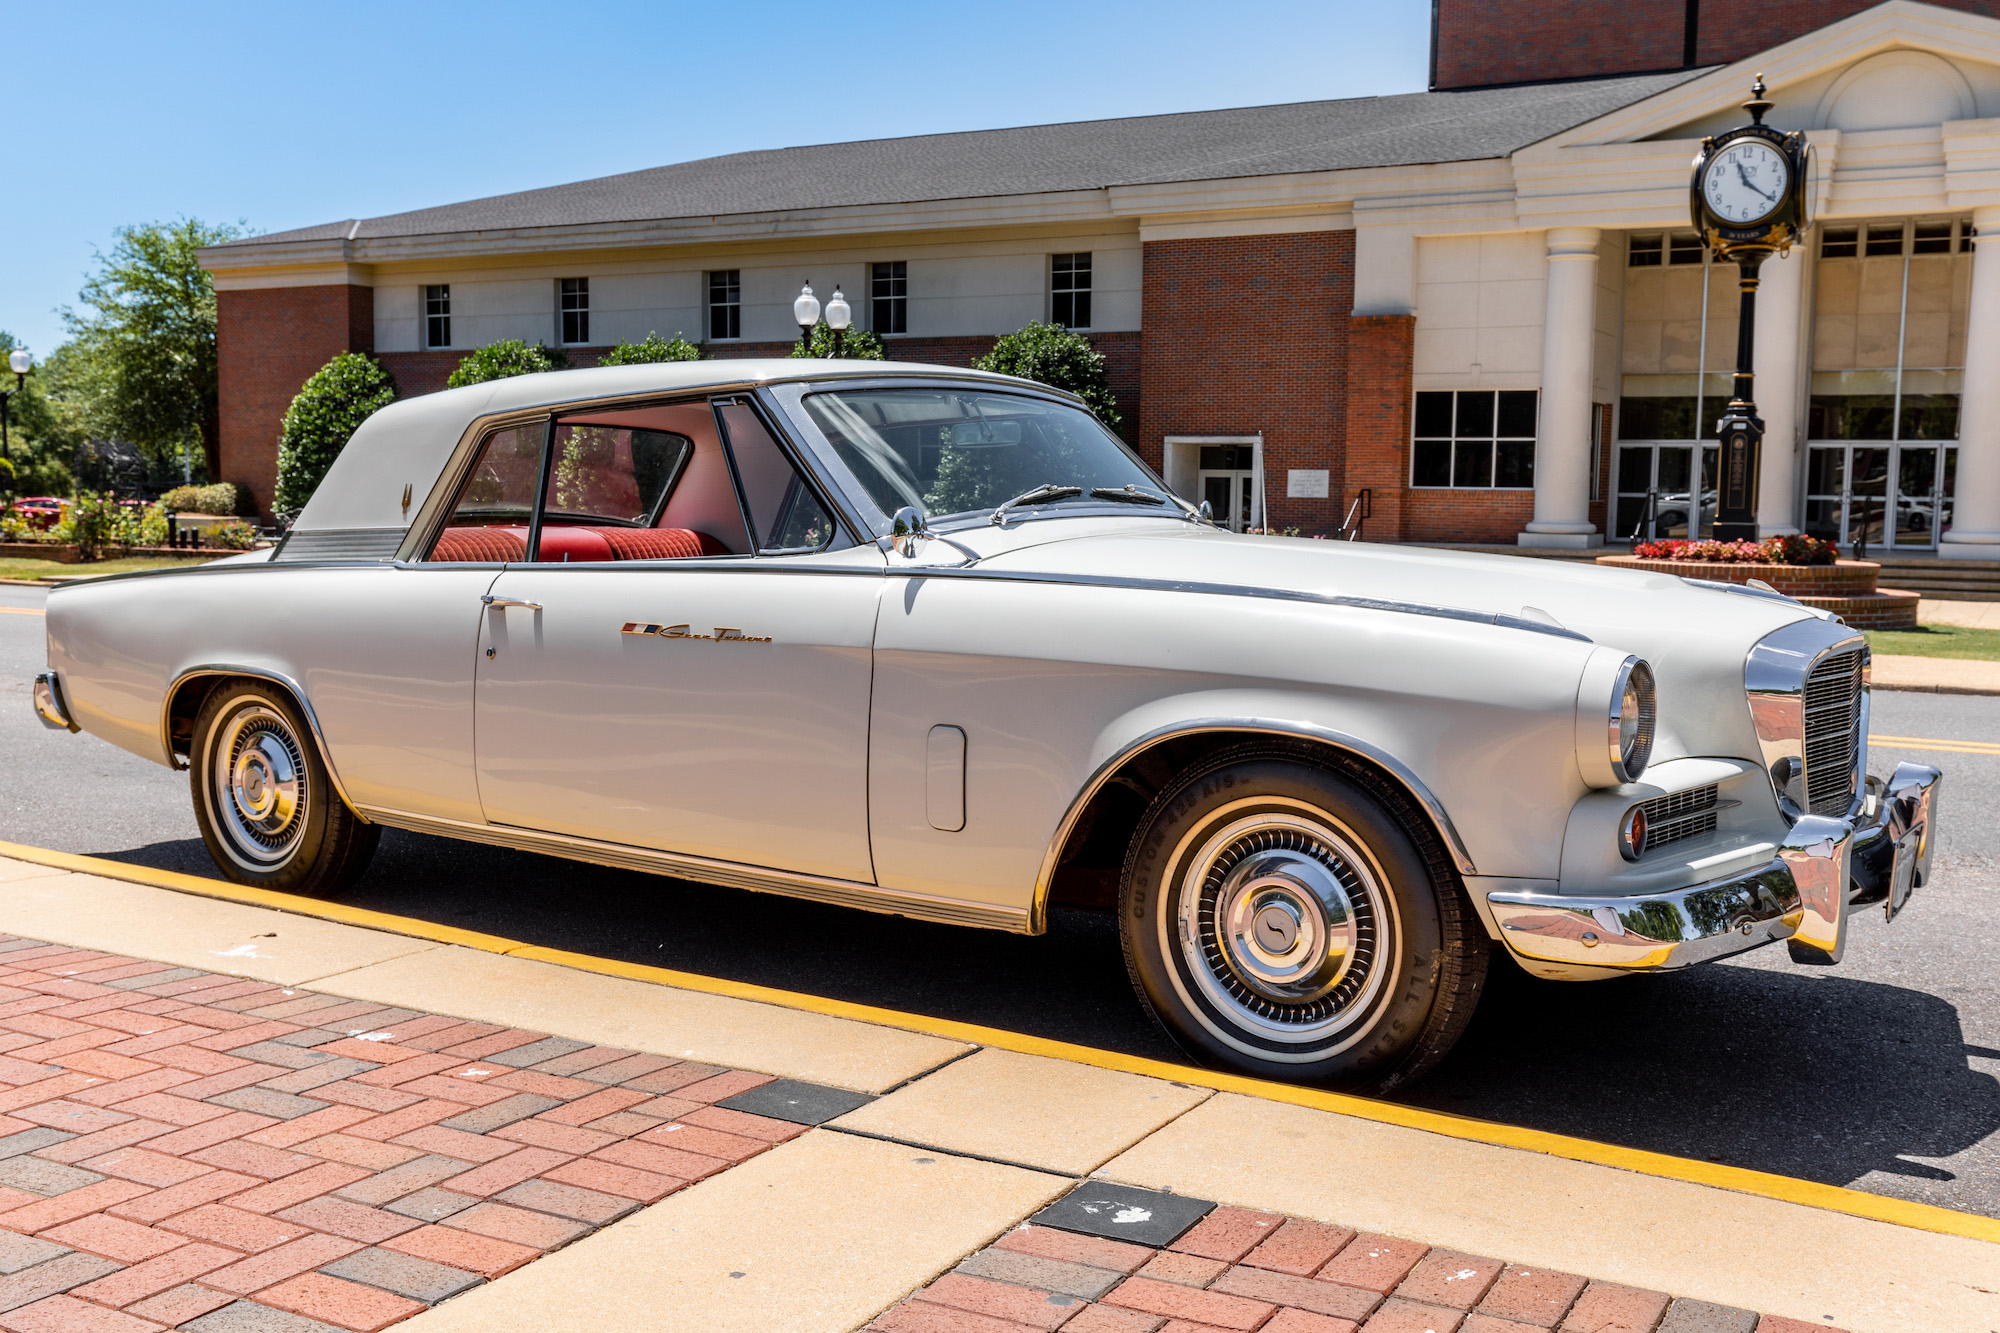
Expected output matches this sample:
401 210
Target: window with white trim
725 303
1475 439
1069 290
573 301
437 315
889 296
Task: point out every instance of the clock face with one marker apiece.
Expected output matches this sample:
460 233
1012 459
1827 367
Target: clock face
1745 182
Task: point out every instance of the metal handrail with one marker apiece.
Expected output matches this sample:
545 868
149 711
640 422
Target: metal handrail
1358 513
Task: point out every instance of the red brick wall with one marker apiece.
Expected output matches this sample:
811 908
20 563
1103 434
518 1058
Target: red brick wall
1479 42
1465 516
269 341
1247 334
1380 352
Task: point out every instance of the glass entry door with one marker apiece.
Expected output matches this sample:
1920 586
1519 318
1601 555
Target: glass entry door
1880 494
1655 498
1227 481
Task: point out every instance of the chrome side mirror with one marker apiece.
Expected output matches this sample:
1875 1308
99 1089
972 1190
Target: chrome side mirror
1207 512
908 528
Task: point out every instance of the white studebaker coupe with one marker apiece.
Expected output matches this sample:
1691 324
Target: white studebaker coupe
935 642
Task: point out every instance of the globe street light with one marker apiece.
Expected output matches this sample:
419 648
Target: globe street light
20 363
806 311
838 316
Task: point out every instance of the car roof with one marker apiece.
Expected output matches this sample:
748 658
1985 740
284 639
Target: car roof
408 443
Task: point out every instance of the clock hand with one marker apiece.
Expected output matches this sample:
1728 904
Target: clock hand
1752 184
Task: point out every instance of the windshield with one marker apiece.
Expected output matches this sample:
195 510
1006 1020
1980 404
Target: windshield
956 451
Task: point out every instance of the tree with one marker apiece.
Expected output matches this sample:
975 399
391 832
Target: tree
144 349
1061 358
653 350
855 345
342 394
504 360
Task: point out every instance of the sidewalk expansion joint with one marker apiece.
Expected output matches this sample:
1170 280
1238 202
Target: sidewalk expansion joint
953 1152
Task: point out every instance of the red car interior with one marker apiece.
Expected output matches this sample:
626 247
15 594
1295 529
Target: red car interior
574 544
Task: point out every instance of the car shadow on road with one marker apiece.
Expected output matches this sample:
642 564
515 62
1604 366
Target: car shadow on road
1805 1073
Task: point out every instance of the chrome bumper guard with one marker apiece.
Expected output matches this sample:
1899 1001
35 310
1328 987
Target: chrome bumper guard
49 706
1824 870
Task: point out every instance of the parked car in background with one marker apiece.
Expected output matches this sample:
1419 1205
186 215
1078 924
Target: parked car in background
40 511
935 642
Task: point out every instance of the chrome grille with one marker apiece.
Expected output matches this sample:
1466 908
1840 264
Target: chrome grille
1685 814
1832 740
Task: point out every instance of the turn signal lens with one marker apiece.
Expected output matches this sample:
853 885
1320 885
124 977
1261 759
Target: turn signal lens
1632 834
1633 714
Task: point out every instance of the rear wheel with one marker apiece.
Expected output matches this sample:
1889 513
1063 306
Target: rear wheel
1293 916
267 811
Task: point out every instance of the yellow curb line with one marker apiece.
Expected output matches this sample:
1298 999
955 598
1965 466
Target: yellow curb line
20 611
1811 1194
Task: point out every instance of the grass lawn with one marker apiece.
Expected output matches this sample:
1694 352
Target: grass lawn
1937 641
41 569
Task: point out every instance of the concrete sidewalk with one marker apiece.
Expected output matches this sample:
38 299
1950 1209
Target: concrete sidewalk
703 1155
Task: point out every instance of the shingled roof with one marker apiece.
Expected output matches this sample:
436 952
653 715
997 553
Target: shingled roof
1403 130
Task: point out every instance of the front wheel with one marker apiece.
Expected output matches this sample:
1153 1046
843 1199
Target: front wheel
1293 916
267 811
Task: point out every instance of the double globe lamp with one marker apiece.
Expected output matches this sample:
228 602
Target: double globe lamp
806 310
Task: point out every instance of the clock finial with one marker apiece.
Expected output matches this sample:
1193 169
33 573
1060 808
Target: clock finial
1758 103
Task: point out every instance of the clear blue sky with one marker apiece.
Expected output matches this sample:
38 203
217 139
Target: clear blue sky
282 114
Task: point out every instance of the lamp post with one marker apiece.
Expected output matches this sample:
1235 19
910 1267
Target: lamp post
806 311
838 316
20 363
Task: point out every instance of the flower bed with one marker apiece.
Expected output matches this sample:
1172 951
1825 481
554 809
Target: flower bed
1797 549
1844 587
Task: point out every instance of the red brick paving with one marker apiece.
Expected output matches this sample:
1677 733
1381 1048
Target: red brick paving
226 1140
1288 1276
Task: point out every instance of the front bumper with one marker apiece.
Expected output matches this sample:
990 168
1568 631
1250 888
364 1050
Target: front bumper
1824 870
50 706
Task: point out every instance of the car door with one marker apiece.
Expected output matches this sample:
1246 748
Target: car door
685 665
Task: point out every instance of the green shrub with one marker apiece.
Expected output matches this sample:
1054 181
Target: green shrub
1061 358
220 498
236 536
855 345
140 526
651 351
342 394
504 360
91 523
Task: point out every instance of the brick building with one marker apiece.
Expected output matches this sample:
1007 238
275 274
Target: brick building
1479 304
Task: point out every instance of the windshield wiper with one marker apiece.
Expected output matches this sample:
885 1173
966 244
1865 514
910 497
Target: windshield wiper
1134 494
1042 494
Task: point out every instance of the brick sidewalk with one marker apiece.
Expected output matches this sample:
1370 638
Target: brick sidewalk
1237 1271
180 1149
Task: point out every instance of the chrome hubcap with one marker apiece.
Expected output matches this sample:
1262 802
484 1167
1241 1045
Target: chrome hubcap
1282 926
260 786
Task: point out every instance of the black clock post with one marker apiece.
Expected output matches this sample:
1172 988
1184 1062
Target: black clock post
1751 200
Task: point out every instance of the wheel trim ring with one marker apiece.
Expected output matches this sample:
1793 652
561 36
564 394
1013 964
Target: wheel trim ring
1290 1045
257 787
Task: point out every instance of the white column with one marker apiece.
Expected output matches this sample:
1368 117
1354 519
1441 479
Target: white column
1562 449
1975 520
1779 363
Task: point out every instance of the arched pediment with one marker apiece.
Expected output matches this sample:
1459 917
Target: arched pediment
1896 90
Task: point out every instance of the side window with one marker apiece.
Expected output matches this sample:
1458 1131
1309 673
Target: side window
786 518
612 472
490 520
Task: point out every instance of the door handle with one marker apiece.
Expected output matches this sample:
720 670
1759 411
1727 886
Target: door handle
491 600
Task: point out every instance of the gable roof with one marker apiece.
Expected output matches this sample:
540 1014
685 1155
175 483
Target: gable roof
1403 130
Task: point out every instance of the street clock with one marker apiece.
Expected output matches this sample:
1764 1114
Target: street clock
1752 185
1751 197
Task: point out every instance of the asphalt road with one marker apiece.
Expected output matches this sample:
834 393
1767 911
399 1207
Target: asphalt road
1879 1073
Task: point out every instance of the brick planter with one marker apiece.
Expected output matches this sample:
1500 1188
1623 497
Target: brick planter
62 555
1846 587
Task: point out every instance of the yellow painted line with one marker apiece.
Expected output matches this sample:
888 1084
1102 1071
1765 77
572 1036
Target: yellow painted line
1811 1194
1932 743
20 611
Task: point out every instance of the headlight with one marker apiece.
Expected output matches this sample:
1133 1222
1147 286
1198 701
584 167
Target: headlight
1632 717
1615 717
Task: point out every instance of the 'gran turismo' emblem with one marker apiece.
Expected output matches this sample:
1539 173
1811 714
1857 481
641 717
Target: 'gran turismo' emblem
723 633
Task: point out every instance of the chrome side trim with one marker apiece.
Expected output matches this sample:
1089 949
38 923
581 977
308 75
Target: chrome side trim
1501 619
728 874
1038 911
277 678
50 706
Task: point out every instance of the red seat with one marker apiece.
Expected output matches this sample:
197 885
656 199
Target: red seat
573 546
660 543
470 545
